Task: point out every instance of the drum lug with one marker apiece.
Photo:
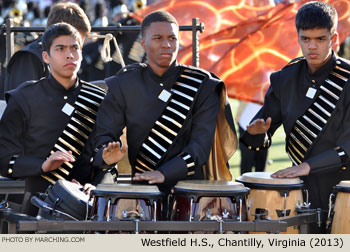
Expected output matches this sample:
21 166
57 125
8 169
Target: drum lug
225 214
125 213
208 214
330 211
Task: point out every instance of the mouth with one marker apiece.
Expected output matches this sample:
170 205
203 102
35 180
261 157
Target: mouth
70 65
166 55
313 55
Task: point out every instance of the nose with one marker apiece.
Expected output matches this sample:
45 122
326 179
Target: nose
312 44
166 43
70 54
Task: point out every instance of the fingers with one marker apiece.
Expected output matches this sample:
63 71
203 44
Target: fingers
76 182
152 177
259 126
63 156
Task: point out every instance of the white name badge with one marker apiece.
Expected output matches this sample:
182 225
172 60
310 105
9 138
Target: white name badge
311 93
164 95
68 109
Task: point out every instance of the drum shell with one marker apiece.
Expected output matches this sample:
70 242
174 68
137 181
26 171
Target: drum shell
109 205
208 204
67 197
341 217
273 197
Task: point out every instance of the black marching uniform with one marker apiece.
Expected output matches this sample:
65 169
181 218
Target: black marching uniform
25 65
40 118
170 119
313 109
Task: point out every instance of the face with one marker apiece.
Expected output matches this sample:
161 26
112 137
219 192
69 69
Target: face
64 59
316 45
160 41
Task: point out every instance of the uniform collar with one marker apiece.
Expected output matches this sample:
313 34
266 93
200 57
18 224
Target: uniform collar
321 74
56 85
168 74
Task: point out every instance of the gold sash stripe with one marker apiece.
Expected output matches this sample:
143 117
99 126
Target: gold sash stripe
78 129
316 117
168 125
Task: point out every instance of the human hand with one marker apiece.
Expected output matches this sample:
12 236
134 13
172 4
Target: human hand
293 172
152 177
259 126
113 153
56 159
86 188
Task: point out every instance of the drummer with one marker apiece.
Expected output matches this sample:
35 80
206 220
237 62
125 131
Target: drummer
310 97
170 127
45 127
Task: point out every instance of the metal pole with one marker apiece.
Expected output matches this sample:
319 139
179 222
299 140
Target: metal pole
195 42
10 39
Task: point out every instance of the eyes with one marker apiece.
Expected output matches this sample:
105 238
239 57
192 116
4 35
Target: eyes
158 38
306 39
73 48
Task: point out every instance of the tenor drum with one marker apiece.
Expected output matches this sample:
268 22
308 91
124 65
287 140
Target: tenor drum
69 200
341 218
274 197
197 200
126 202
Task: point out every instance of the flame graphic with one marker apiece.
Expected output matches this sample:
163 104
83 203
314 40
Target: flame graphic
244 40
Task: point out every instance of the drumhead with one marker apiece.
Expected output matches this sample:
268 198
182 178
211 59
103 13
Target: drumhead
126 191
208 185
343 186
265 178
206 188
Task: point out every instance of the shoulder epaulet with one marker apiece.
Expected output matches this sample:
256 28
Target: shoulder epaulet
196 70
294 61
343 63
131 67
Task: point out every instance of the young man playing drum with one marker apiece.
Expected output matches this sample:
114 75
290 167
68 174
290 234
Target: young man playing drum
170 111
310 97
45 128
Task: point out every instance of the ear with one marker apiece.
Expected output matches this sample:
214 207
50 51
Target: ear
46 57
335 38
143 43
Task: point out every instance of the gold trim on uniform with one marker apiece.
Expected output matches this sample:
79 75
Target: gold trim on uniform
138 168
64 171
298 142
85 117
295 157
74 138
143 164
191 78
334 84
339 76
48 179
295 148
166 128
161 136
68 145
81 124
342 69
190 173
303 135
57 175
172 121
330 93
86 108
88 100
78 131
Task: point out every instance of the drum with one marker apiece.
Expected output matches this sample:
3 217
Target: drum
197 200
272 198
69 200
341 217
126 202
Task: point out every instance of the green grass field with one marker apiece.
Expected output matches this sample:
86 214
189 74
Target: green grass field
276 152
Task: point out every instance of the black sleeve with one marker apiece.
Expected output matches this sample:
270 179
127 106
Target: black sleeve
13 127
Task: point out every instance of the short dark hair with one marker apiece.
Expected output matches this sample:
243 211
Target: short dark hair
317 15
57 30
157 16
70 13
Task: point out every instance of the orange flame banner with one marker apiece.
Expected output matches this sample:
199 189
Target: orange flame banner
244 41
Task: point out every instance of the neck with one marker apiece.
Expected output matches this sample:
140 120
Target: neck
67 83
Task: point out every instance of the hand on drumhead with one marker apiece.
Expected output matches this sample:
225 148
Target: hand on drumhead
259 126
56 159
153 177
113 153
293 172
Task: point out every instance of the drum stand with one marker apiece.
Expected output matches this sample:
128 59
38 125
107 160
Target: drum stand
18 223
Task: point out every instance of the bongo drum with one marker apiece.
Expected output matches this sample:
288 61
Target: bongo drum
275 197
341 218
68 198
197 200
126 202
